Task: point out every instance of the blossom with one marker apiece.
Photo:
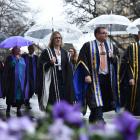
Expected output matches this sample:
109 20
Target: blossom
127 125
59 131
3 126
21 124
83 136
67 112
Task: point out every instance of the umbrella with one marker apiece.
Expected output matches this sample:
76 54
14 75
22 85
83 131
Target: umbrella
132 29
15 41
116 24
42 33
137 23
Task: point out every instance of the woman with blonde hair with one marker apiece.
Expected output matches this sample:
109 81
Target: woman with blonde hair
54 74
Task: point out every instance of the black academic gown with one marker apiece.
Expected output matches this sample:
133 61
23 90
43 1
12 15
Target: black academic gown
31 73
85 93
130 69
11 82
65 88
1 79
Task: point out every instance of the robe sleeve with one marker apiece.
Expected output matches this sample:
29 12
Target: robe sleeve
83 59
128 61
43 64
82 70
44 60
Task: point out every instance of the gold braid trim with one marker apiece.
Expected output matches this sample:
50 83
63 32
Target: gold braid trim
136 76
133 63
82 62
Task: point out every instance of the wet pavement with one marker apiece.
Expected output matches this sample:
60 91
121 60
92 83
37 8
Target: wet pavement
36 113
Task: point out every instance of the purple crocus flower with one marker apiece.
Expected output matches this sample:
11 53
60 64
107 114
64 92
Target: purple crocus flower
14 124
83 136
60 109
18 126
59 131
127 125
3 126
6 136
67 112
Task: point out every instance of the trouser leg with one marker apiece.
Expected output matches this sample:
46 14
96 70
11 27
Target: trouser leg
19 109
96 114
27 104
8 111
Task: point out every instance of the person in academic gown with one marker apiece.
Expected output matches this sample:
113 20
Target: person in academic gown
14 81
95 84
54 74
130 78
31 61
1 79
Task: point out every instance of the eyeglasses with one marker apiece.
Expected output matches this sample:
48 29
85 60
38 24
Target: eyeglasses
105 33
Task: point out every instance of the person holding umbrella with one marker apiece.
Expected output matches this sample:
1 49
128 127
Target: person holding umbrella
14 80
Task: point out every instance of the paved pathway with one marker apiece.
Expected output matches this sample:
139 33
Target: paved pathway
36 113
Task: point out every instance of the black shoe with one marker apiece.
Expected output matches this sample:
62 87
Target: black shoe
8 114
19 114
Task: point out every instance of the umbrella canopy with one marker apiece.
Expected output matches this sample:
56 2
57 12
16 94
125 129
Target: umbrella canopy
116 24
136 23
42 33
132 29
15 41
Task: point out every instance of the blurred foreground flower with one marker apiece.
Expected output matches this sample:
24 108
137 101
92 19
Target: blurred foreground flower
70 114
66 123
127 125
16 128
59 131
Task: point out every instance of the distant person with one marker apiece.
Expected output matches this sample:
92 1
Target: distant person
130 77
14 81
73 57
54 74
31 61
1 79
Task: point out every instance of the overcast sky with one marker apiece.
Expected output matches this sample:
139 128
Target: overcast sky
48 9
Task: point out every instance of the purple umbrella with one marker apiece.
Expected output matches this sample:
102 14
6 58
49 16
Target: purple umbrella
15 41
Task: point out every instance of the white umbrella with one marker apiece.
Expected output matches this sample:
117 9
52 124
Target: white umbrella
116 24
132 29
84 38
42 33
137 23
